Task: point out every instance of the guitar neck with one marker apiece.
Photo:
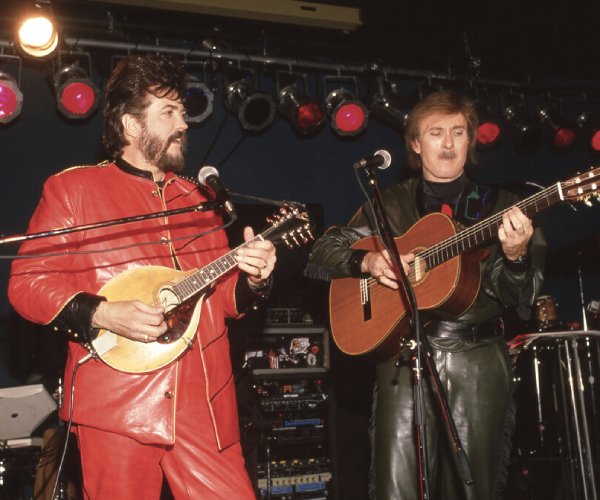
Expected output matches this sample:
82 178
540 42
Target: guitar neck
487 229
207 275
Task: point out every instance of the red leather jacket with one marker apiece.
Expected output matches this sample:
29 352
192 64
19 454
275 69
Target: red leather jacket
141 406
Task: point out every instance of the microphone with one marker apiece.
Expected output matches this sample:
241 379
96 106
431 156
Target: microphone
381 160
209 177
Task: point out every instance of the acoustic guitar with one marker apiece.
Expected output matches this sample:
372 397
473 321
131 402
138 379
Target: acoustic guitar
369 318
181 294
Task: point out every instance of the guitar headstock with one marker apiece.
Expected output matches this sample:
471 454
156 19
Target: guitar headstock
582 187
291 225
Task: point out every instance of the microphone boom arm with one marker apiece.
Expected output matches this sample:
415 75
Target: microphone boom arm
201 207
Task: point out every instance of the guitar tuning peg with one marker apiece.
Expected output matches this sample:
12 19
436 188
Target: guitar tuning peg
287 242
588 202
295 240
302 236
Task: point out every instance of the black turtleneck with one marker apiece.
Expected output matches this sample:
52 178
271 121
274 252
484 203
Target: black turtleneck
436 194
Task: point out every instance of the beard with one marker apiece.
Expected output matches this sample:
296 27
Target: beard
155 150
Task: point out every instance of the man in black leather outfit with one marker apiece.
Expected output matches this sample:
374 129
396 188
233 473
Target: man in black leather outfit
469 350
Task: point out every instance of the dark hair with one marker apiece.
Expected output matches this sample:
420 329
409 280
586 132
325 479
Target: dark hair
446 102
127 90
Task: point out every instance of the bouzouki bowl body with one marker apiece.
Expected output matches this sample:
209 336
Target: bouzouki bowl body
145 284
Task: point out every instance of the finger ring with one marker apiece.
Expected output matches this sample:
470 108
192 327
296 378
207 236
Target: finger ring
146 338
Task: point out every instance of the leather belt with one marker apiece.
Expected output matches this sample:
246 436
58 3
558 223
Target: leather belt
463 331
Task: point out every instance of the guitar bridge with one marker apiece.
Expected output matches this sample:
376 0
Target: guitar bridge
365 298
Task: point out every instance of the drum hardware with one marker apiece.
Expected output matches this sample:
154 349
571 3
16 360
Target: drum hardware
546 312
593 309
556 375
3 468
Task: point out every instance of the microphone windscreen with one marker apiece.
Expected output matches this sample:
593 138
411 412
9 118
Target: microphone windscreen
205 172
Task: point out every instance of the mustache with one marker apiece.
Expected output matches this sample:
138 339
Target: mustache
177 135
174 137
447 154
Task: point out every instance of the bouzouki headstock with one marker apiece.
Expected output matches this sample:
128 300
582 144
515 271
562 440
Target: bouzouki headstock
291 225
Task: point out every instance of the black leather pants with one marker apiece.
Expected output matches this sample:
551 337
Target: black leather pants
477 378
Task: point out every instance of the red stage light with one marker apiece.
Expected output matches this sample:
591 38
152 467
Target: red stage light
487 133
561 135
595 140
309 117
305 115
348 115
76 94
589 126
488 130
349 118
11 98
77 98
563 139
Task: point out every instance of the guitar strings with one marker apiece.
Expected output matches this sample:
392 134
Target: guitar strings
190 281
427 254
495 220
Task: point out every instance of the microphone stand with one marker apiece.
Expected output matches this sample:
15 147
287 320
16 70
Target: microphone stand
201 207
423 353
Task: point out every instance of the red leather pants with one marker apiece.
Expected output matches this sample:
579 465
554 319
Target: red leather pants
119 468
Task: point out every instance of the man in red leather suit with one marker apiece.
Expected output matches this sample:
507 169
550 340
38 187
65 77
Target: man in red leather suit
180 420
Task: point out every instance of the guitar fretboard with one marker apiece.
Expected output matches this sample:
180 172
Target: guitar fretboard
487 229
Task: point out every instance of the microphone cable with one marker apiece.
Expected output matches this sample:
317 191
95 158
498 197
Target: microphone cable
69 425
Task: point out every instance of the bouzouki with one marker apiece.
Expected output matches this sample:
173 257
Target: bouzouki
181 294
369 318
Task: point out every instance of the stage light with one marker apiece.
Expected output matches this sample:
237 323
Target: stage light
488 130
348 115
589 125
36 33
562 136
527 133
76 94
305 114
255 110
11 98
388 107
198 101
